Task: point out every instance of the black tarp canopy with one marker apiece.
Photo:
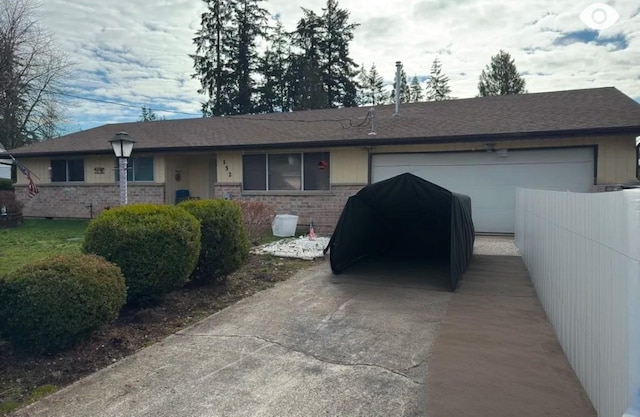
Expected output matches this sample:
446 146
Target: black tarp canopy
409 216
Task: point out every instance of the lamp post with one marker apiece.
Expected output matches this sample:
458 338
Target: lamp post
122 145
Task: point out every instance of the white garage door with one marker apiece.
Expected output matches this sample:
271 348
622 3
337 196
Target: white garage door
491 178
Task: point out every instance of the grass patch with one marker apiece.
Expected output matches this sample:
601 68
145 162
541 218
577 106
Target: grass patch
26 378
39 238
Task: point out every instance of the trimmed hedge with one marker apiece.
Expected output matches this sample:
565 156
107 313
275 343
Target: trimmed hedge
51 304
224 241
6 184
156 246
13 208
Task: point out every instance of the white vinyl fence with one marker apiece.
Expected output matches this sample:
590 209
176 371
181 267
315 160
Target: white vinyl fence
583 254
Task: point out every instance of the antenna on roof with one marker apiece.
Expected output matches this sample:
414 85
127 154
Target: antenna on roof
398 74
372 116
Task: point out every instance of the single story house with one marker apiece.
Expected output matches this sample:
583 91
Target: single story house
309 162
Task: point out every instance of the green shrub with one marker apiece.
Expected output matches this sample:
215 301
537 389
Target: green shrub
12 209
50 304
224 241
156 246
6 184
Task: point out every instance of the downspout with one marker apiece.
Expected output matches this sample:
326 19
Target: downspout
398 73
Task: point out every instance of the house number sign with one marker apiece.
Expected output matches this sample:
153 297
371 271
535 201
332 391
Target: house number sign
226 168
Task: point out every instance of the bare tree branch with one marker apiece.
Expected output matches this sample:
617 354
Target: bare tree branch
31 71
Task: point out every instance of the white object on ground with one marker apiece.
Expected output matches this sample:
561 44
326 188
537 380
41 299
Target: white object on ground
284 225
495 245
300 247
304 248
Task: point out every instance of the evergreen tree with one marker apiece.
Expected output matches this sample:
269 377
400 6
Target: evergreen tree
322 73
338 69
226 60
147 115
250 24
438 84
415 93
305 77
273 92
212 60
405 91
501 77
371 87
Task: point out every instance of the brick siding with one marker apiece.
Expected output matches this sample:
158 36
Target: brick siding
323 207
78 201
73 201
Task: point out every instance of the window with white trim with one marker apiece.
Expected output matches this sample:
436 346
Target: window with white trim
67 170
301 171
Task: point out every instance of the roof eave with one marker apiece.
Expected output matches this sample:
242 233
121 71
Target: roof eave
369 141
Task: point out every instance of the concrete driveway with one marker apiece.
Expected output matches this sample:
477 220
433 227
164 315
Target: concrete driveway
357 344
307 347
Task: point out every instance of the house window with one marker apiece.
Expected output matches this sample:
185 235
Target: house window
286 171
67 170
138 169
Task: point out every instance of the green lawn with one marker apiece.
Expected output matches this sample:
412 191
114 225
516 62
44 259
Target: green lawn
39 238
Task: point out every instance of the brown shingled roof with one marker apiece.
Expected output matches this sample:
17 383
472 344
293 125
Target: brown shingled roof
589 111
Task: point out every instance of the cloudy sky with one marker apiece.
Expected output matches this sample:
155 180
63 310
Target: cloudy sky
135 52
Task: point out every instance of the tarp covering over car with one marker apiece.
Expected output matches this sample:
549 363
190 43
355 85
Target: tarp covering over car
408 216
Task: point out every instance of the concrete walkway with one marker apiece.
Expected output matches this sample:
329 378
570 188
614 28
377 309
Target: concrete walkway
496 353
358 344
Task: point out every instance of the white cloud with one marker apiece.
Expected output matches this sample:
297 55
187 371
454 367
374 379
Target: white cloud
138 52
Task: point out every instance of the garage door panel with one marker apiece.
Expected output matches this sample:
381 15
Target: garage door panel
492 219
491 180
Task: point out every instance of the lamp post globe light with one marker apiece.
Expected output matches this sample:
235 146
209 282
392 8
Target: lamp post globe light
122 145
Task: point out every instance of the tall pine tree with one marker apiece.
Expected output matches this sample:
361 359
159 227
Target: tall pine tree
305 76
338 69
322 72
214 41
250 24
501 77
226 59
273 91
371 87
405 91
438 84
415 90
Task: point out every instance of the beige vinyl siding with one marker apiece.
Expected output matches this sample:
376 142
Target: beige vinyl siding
159 169
615 154
349 166
193 171
38 166
93 165
229 167
199 177
172 165
107 164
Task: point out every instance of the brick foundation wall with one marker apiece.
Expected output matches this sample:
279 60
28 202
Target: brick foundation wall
74 201
323 207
